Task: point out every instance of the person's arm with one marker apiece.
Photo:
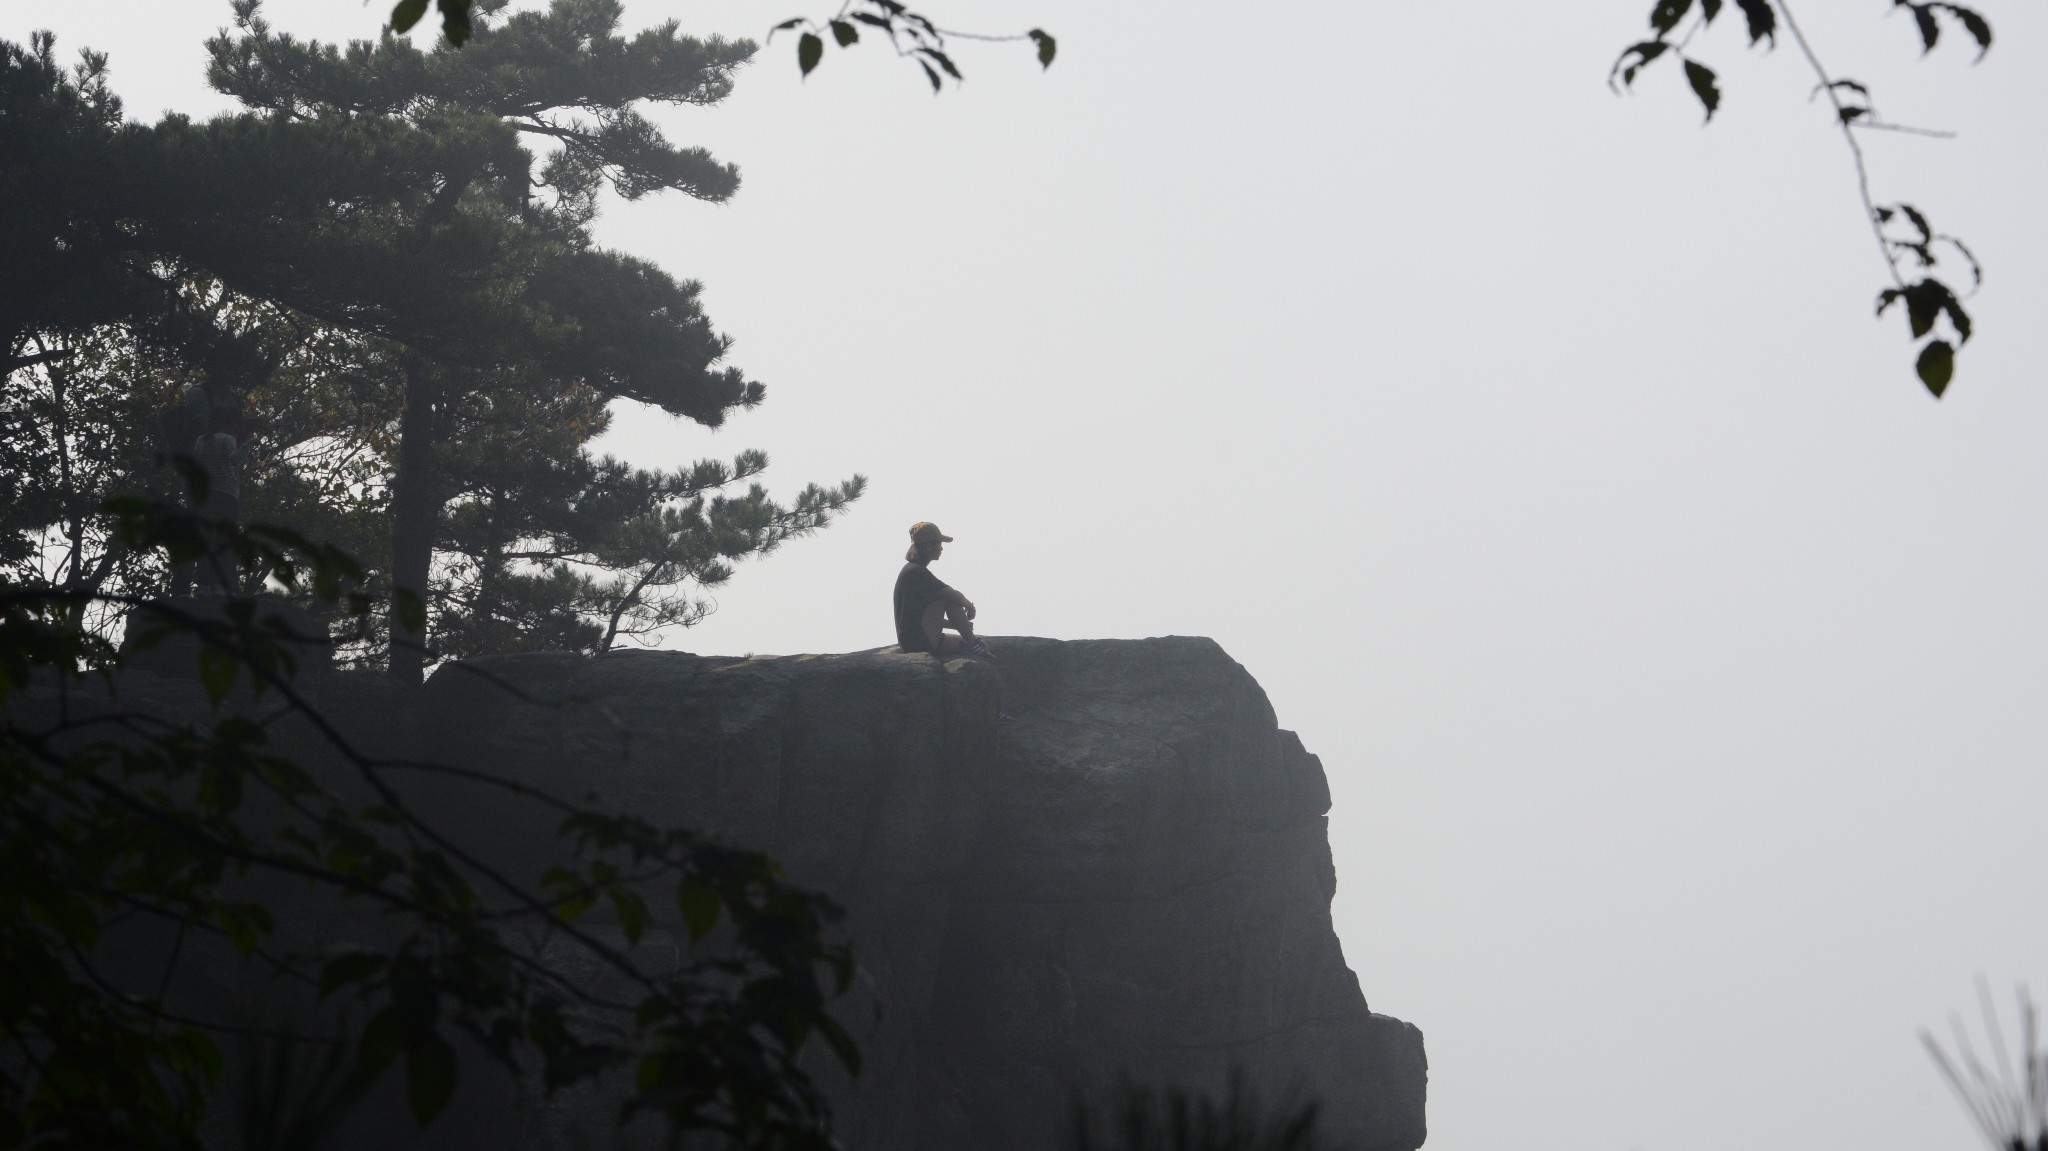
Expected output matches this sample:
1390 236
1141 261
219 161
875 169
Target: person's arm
953 598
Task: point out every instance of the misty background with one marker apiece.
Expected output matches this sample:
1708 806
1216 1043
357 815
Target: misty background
1678 663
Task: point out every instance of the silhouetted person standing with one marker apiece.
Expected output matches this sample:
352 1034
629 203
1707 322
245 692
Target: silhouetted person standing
182 422
221 456
926 606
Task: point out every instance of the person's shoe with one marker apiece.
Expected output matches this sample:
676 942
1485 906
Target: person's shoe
980 650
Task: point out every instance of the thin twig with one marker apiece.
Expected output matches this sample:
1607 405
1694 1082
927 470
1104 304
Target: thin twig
948 32
1905 129
1843 121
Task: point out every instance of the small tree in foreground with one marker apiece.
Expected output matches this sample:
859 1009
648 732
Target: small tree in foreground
111 812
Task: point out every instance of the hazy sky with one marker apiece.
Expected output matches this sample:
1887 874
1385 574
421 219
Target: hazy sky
1677 662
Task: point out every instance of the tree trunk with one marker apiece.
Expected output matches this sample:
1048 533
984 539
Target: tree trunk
415 516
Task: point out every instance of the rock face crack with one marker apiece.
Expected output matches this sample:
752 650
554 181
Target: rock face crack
1131 882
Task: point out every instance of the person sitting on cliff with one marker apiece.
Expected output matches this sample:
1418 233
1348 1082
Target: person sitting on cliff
926 607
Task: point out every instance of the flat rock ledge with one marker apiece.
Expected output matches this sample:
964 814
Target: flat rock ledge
1130 882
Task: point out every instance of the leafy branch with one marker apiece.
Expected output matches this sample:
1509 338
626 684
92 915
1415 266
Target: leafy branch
913 36
1909 256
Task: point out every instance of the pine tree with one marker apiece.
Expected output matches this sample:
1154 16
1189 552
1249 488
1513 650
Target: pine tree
137 260
603 322
417 277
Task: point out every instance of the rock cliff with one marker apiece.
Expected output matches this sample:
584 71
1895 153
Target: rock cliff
1131 880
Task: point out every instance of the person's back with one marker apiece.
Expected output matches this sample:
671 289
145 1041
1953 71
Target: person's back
221 458
220 455
916 589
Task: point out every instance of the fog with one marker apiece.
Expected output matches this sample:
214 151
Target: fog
1669 649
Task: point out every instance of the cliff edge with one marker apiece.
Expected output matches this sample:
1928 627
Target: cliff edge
1132 880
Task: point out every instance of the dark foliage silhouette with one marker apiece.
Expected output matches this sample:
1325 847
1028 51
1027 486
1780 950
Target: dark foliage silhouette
111 811
912 34
2006 1101
407 303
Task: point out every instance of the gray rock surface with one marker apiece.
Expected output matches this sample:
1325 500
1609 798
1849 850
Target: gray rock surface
1130 881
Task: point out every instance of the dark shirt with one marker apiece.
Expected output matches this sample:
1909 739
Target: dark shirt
222 459
916 588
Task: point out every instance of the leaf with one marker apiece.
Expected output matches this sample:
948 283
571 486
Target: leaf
1852 86
382 1042
243 924
845 33
1976 269
930 75
429 1077
571 908
1644 52
809 50
209 1058
1763 20
72 918
1701 78
652 1010
786 25
1957 317
1930 32
1710 9
1851 114
220 788
343 970
1978 27
1937 366
1919 221
217 668
406 15
796 1028
285 777
632 913
699 905
841 1043
1047 46
1923 304
1666 14
455 21
942 60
